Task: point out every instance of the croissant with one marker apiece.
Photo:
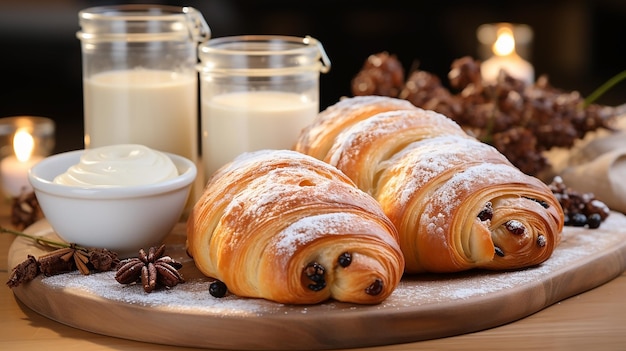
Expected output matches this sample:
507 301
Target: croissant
317 138
456 202
286 227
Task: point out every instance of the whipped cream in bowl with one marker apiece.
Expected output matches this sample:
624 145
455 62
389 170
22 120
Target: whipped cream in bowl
119 165
119 197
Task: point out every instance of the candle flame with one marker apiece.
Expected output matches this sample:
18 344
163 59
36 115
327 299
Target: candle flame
23 145
505 42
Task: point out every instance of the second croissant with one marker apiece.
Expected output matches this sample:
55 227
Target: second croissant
456 202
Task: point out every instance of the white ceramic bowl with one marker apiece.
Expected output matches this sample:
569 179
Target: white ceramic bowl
122 219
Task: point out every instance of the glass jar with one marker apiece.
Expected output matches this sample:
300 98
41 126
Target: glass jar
257 92
139 76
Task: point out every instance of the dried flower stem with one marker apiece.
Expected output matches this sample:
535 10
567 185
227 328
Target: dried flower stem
38 240
604 88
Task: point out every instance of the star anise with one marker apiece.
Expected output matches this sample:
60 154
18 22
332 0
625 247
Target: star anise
151 269
65 258
70 258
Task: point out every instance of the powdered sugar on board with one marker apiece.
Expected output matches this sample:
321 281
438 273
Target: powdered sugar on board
190 296
578 244
422 307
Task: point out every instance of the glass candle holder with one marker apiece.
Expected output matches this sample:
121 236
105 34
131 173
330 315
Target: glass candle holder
505 46
24 141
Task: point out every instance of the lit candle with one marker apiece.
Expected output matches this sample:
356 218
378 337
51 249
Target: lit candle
14 168
506 58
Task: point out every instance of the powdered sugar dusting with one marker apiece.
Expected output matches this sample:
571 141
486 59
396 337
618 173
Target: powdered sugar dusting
447 198
421 162
329 123
192 296
578 245
347 106
391 125
309 228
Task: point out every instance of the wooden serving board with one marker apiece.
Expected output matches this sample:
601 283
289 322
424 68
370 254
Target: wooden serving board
422 307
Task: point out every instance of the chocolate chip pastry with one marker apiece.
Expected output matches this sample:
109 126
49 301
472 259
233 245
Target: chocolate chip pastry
286 227
456 202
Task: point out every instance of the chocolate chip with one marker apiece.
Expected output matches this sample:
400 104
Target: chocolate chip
541 240
486 213
315 272
376 288
515 227
345 259
499 251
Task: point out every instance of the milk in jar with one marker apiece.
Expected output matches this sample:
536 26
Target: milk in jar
235 123
156 108
257 92
139 76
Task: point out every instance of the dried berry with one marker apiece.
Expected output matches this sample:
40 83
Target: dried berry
580 209
578 220
218 289
594 220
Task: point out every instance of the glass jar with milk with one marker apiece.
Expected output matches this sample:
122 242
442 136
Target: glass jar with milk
139 76
257 92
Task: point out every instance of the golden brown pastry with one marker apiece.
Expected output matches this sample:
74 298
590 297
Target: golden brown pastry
283 226
317 138
456 202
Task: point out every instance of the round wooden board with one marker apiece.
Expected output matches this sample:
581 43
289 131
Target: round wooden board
422 307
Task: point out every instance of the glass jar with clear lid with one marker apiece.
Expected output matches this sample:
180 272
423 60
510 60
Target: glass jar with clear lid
257 92
139 76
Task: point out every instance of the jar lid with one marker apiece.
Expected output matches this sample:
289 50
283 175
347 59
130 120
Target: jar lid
142 23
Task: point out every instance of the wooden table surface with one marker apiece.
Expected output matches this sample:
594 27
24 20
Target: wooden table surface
593 320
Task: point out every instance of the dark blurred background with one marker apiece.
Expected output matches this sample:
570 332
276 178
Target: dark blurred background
579 44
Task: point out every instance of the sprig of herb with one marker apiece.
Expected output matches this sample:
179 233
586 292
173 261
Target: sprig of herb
38 239
604 88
